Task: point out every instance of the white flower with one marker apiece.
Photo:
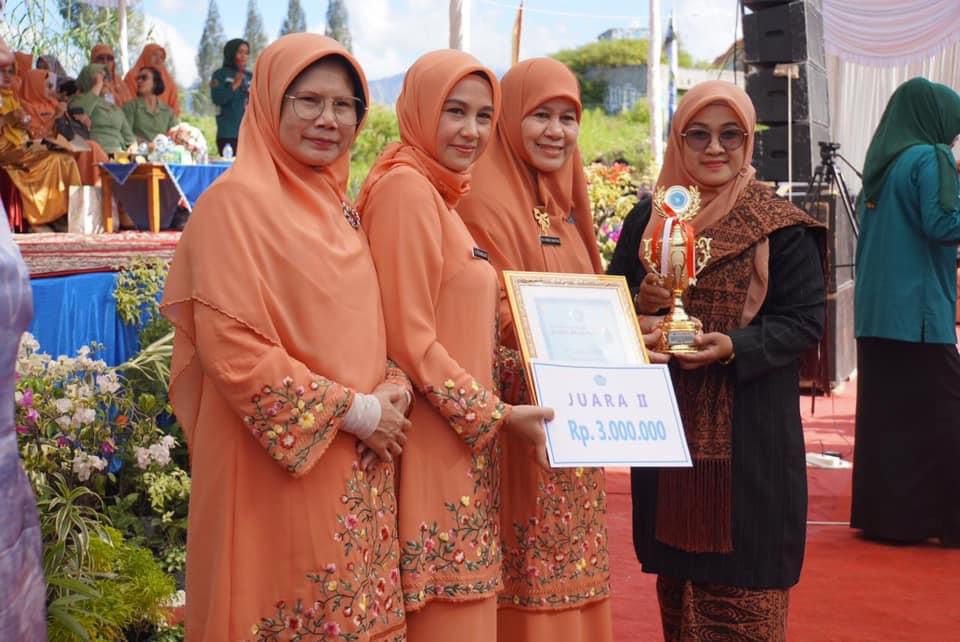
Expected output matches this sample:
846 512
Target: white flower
143 457
108 383
84 465
160 454
63 421
85 391
63 406
83 351
168 441
85 415
17 396
97 462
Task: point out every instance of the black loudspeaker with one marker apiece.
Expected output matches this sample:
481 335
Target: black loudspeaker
809 94
785 33
756 5
770 151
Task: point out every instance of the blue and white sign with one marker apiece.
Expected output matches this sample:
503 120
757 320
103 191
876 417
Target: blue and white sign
611 415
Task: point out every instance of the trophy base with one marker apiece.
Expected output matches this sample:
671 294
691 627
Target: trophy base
678 338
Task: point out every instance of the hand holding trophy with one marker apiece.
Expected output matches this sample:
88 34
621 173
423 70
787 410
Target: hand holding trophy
672 254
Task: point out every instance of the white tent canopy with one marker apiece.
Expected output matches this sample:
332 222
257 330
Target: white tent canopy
875 45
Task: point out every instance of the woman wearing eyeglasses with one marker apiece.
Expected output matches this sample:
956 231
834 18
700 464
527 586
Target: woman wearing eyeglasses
279 374
726 538
153 55
230 90
148 117
115 90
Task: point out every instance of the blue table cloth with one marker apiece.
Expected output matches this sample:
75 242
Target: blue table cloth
185 181
71 311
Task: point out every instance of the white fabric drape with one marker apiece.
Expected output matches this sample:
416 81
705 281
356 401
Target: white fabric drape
889 32
859 94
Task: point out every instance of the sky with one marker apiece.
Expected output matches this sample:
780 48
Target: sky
389 35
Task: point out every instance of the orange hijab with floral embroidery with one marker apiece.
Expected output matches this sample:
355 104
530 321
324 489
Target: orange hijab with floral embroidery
425 88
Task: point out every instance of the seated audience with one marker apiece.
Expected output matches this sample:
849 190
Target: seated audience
147 116
109 127
155 56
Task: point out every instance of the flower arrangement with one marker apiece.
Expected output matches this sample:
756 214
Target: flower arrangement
191 139
613 193
104 455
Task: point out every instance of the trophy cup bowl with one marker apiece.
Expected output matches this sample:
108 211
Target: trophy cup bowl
678 265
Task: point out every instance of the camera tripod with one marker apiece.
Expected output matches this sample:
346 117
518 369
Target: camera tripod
826 177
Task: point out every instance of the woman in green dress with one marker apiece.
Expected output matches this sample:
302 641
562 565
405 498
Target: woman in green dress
229 90
109 127
147 115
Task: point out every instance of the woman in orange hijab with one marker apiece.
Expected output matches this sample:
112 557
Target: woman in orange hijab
279 374
40 102
115 90
440 304
726 538
528 206
155 56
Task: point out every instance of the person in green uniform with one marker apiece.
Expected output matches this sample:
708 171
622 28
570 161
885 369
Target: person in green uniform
229 89
109 127
906 481
147 115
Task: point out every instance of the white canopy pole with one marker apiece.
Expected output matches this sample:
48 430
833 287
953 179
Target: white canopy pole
122 19
653 84
460 25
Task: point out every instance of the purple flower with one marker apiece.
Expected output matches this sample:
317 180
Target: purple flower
23 430
33 416
26 401
107 448
62 441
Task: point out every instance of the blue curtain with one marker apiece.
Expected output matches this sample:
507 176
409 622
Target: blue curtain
71 311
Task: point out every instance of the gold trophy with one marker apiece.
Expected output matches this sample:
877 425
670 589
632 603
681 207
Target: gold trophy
677 256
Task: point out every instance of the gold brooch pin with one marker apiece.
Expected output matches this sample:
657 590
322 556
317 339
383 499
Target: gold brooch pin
543 220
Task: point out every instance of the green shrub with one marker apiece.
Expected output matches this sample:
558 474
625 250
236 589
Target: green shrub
380 129
624 137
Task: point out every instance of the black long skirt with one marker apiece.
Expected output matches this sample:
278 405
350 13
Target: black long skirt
906 463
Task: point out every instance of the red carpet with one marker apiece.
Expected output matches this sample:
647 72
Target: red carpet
54 254
850 590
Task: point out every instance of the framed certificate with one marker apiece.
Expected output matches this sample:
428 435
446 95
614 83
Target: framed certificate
584 356
574 318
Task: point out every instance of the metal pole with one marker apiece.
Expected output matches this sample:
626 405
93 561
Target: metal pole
653 84
460 24
791 71
122 19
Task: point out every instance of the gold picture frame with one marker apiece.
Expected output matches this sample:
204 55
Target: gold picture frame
574 318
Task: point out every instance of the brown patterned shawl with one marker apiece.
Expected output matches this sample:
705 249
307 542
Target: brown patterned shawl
694 505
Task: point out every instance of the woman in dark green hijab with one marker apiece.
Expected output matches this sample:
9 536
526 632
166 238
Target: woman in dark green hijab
230 89
906 481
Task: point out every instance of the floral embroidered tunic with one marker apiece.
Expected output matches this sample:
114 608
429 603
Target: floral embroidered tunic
278 326
440 307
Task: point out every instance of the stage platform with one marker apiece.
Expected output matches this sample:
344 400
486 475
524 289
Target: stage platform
53 254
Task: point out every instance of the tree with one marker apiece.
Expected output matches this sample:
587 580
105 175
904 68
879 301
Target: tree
295 21
89 25
338 26
253 31
210 52
608 53
209 57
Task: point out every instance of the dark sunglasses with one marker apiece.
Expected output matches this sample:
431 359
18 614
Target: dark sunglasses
699 139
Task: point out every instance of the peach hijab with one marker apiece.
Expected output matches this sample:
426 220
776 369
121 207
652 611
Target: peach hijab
169 95
425 88
716 202
34 100
504 177
268 235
